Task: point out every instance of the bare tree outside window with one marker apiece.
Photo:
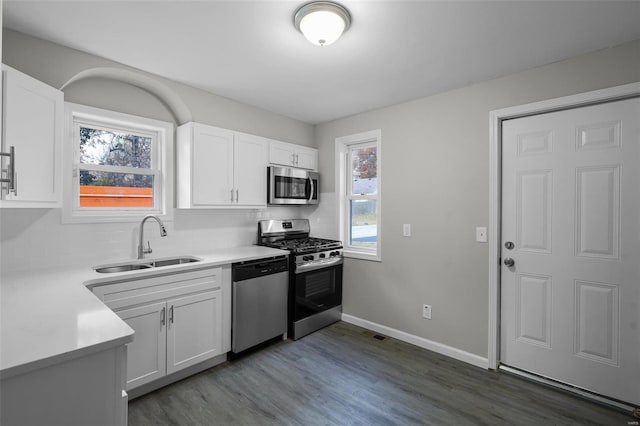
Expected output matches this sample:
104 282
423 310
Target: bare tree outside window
365 163
364 184
108 148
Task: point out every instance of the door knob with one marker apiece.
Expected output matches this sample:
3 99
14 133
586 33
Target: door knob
509 262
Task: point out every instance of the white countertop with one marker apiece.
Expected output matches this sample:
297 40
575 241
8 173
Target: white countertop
50 316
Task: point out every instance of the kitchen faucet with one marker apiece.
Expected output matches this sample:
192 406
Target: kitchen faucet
141 248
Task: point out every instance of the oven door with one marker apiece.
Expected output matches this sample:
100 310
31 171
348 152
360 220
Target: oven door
317 290
292 186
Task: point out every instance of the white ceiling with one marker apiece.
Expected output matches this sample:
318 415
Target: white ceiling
394 51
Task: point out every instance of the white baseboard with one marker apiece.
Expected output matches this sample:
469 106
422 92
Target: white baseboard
440 348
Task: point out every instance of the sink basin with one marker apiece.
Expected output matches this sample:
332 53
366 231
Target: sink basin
122 268
141 264
173 261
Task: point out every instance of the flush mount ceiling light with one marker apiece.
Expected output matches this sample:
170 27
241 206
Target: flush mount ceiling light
322 22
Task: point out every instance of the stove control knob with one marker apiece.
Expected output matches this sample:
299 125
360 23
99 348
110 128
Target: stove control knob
334 253
322 255
307 258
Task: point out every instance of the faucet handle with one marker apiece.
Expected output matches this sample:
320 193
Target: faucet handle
147 250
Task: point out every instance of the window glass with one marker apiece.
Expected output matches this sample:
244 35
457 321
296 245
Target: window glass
110 189
117 154
364 223
364 170
114 148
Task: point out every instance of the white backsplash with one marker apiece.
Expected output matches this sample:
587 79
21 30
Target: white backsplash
323 219
36 238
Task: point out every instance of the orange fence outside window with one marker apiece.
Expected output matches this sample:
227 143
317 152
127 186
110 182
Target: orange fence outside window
115 196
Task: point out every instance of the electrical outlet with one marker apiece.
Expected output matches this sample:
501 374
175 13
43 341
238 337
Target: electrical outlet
426 311
406 230
481 234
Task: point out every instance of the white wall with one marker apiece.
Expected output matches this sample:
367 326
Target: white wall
55 65
435 161
31 239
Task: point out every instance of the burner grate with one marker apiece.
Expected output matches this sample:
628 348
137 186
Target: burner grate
305 244
293 235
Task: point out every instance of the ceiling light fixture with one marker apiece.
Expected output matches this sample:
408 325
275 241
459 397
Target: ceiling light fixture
322 22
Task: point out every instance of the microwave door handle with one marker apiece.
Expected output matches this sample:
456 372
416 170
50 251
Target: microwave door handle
313 189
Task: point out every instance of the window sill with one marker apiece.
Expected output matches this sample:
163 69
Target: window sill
361 255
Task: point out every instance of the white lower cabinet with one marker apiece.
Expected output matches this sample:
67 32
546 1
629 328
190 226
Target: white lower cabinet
194 331
147 353
177 321
88 390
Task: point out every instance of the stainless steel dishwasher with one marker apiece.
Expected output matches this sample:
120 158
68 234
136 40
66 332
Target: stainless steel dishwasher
259 298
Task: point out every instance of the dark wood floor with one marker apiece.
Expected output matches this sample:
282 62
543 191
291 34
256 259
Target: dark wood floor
342 375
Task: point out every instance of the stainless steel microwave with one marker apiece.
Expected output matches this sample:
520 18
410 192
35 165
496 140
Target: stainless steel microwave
287 185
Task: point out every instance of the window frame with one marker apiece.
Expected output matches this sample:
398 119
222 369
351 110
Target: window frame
161 168
344 145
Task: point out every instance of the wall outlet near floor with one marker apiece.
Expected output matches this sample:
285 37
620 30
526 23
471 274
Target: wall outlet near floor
426 311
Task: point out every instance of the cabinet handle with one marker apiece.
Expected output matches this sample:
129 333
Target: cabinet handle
293 158
232 195
297 158
11 178
237 195
171 314
163 316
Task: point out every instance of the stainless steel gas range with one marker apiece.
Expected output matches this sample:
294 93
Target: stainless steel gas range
315 274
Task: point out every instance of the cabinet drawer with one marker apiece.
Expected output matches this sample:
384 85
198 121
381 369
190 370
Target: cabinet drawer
135 292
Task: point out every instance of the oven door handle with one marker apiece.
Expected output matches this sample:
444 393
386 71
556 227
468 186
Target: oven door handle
306 267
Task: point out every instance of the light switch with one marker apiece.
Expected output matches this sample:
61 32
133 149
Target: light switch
406 230
481 234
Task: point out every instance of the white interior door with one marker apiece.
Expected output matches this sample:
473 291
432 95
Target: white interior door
570 206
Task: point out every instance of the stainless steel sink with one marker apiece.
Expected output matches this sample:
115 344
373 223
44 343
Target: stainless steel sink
173 261
122 268
151 263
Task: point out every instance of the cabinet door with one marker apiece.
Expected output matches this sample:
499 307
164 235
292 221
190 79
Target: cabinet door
212 166
194 330
250 170
307 158
32 122
281 153
146 355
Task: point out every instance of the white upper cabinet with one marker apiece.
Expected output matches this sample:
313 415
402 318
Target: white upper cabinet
250 170
288 154
219 168
32 124
204 166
